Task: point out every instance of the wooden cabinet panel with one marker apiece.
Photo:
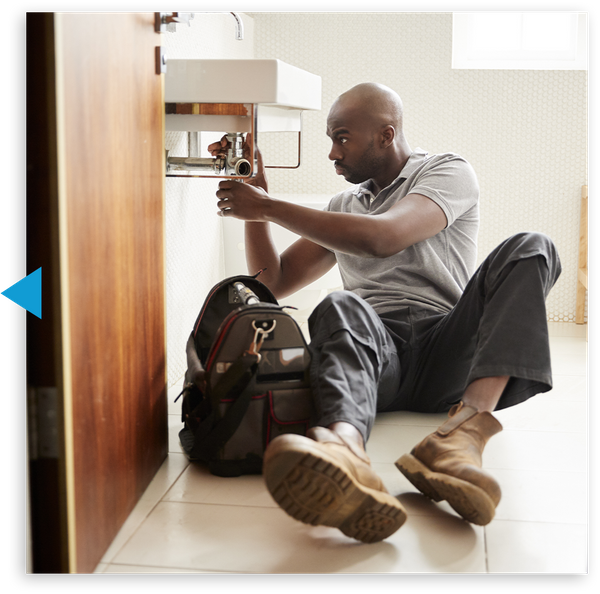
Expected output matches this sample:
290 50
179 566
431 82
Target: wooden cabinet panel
109 108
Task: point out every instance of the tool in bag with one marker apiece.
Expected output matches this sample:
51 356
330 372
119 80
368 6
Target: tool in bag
247 378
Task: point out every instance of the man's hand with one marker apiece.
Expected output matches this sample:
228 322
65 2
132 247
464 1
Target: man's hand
242 201
221 147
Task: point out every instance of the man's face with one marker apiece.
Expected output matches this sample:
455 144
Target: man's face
353 149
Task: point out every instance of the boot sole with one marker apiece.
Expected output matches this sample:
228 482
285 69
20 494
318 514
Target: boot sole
468 500
310 487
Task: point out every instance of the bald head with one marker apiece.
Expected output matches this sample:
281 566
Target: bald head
372 102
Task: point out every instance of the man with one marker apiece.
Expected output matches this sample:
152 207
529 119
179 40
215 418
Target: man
414 328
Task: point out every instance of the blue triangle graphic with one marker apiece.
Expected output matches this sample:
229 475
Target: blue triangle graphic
28 293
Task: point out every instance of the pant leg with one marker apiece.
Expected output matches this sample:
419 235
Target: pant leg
498 327
353 361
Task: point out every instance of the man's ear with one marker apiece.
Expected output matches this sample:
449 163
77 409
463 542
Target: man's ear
388 133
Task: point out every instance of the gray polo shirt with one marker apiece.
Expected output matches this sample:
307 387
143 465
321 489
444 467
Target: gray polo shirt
432 273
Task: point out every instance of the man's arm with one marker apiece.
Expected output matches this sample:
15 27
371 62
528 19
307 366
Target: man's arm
413 219
299 265
302 263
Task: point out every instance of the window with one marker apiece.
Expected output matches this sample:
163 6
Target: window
519 40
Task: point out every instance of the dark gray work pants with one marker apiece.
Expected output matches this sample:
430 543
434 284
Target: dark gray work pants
422 360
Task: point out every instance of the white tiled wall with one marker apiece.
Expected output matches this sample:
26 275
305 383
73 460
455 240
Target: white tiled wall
525 132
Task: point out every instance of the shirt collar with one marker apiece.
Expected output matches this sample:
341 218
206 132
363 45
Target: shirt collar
414 160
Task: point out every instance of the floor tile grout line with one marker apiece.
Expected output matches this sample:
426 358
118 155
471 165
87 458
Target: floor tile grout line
146 515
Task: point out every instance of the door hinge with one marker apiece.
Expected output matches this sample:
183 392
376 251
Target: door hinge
42 425
160 58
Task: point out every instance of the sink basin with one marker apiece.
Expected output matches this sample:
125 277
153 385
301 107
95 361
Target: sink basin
266 82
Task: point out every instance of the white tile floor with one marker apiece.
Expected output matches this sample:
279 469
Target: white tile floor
189 521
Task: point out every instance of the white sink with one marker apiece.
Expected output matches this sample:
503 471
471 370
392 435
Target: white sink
266 82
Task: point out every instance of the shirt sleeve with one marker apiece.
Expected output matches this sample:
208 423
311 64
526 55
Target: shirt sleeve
450 181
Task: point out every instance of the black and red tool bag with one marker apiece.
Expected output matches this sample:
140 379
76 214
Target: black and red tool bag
247 378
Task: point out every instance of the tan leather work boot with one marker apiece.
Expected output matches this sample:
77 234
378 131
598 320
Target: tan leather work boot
325 480
446 465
